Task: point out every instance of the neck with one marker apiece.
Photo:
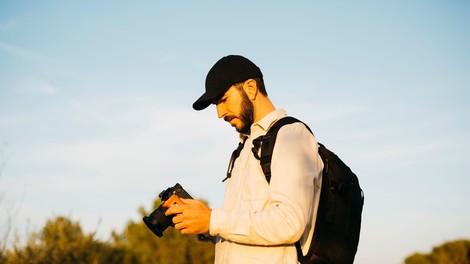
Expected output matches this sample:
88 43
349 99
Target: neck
263 106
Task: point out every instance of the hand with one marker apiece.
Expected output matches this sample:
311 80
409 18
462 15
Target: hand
192 217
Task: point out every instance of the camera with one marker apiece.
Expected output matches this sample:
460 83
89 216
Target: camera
157 221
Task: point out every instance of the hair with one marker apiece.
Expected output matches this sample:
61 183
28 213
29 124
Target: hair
259 84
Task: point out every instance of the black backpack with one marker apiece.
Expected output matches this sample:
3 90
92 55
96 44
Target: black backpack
338 224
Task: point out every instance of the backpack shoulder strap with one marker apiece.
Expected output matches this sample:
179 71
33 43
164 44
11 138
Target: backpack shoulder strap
266 143
234 156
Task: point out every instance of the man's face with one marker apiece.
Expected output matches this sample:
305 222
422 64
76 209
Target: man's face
236 108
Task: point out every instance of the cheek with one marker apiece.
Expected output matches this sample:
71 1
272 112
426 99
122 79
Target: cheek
236 109
229 110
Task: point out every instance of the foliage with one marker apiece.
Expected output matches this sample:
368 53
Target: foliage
171 248
63 241
455 252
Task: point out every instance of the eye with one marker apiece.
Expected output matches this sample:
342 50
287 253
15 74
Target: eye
221 100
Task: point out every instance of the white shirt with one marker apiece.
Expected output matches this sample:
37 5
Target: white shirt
259 222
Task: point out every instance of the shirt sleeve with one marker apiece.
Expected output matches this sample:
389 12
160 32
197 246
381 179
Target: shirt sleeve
295 168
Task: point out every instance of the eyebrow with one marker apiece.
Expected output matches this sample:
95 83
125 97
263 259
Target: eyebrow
217 99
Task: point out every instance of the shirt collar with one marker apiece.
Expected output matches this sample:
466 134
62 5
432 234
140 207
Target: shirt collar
261 127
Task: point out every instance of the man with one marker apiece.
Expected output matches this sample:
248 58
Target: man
259 222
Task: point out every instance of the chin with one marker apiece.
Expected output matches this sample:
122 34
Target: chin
243 130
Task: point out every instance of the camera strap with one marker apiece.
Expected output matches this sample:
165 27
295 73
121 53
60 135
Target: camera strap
234 156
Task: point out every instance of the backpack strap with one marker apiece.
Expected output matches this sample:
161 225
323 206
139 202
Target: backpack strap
234 156
266 143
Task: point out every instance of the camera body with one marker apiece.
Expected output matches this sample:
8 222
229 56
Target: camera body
157 221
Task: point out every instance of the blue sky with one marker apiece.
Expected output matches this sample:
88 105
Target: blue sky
96 117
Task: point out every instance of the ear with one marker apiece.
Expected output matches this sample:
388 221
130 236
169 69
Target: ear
251 88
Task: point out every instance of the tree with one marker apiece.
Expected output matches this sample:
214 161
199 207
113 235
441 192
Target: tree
172 248
63 241
455 252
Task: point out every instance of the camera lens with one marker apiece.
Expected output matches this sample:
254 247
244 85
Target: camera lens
157 221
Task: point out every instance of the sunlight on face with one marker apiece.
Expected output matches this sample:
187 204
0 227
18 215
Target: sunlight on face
236 108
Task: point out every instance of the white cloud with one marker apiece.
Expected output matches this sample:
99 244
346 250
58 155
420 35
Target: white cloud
133 141
8 24
139 149
35 87
12 120
22 52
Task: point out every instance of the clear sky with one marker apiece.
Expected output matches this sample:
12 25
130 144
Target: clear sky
96 116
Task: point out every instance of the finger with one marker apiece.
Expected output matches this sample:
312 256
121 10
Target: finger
180 226
173 210
185 230
177 219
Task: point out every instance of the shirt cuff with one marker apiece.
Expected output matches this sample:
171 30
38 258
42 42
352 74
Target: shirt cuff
220 220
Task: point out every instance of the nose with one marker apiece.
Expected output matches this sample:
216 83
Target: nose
221 112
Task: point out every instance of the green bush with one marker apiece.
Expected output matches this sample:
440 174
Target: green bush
455 252
63 241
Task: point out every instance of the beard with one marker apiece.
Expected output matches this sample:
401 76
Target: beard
246 114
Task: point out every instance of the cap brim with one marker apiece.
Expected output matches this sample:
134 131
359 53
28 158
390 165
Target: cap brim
204 101
207 98
201 103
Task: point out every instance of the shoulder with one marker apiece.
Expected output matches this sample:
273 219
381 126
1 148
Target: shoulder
294 131
294 139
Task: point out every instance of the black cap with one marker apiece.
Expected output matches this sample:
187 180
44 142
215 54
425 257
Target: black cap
226 72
